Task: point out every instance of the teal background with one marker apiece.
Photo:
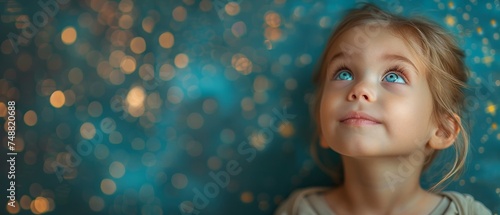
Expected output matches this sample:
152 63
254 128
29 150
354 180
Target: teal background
197 119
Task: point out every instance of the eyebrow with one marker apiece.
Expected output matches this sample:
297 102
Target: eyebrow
385 57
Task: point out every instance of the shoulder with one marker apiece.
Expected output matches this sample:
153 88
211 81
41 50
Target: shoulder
295 202
465 203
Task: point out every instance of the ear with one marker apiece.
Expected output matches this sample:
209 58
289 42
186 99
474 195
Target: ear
444 136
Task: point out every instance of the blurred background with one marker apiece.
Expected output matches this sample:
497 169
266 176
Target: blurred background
162 107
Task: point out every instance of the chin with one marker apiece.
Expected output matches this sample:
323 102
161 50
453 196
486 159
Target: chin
359 148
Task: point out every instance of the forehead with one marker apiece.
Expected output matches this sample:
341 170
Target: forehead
371 41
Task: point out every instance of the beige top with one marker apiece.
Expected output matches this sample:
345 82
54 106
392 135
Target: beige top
309 202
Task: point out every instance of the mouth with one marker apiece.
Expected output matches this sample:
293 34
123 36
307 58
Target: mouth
358 119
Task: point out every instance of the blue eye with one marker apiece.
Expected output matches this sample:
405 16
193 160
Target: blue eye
344 75
394 78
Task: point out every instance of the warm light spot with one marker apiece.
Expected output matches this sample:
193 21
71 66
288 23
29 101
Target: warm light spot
108 186
181 60
239 29
57 99
272 33
138 45
127 64
96 203
179 14
205 5
126 6
70 97
68 35
494 126
13 210
3 109
167 72
126 21
491 109
148 24
272 19
286 129
175 95
87 130
116 169
40 205
246 197
493 23
242 64
451 5
135 101
30 118
450 20
25 202
479 30
135 97
232 8
115 58
95 109
166 40
75 76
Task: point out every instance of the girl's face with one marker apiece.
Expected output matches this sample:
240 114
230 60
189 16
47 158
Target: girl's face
374 75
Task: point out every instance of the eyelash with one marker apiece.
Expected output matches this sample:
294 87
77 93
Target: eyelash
397 69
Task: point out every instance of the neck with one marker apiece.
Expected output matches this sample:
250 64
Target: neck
385 185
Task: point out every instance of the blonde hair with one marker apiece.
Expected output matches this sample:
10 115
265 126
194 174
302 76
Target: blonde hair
446 75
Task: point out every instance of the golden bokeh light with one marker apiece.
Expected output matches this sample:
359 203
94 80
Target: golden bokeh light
242 64
3 109
13 210
40 205
239 29
272 19
166 40
57 99
148 24
30 118
117 169
138 45
181 60
128 64
68 36
75 76
179 14
87 130
95 109
135 101
272 33
246 197
96 203
232 8
108 186
205 5
135 97
126 21
25 202
126 6
167 72
286 129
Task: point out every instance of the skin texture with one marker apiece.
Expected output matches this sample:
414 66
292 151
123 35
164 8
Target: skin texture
382 161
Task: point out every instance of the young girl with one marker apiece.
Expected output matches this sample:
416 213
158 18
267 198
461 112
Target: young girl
389 98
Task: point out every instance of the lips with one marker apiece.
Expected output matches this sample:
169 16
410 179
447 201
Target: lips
361 118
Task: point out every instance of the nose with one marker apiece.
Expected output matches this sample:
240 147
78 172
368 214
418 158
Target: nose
362 91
